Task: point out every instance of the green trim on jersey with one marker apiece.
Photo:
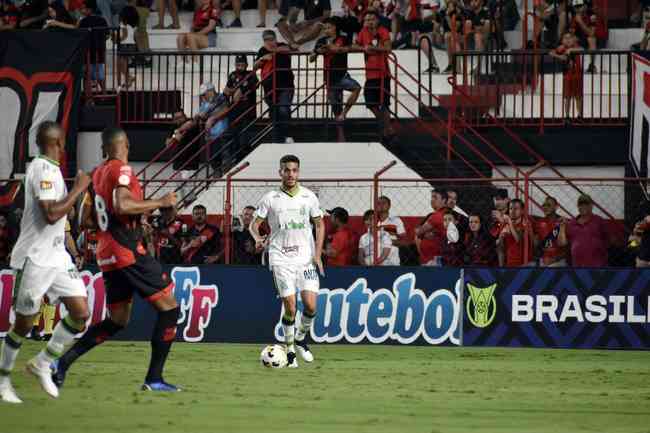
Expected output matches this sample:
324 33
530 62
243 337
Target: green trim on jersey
18 279
292 192
48 159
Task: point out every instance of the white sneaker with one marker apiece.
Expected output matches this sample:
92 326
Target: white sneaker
292 361
304 351
44 376
7 392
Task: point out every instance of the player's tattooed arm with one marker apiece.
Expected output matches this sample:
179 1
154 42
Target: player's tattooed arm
125 204
254 229
55 210
320 238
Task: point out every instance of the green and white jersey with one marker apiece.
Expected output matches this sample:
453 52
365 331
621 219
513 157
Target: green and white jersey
42 243
289 216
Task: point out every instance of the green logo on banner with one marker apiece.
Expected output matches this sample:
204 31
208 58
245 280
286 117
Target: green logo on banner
481 305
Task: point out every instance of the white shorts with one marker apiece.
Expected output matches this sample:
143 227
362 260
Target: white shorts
290 279
34 281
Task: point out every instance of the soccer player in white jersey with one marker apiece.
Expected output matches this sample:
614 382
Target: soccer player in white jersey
294 257
42 265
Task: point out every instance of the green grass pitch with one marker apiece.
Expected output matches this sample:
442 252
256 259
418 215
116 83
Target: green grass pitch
358 388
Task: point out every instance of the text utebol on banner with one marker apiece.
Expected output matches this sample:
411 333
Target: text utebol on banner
35 87
239 304
552 307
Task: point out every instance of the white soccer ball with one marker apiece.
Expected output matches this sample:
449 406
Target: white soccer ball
273 356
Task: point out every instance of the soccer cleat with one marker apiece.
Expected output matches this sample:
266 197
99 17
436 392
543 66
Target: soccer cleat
304 351
7 392
58 374
292 362
161 386
44 376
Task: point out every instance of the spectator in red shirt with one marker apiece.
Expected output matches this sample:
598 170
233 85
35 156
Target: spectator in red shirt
589 29
548 230
202 34
375 42
431 234
587 236
167 236
518 249
480 246
341 245
203 245
572 83
452 246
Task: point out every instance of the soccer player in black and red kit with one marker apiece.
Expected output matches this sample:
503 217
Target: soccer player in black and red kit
125 263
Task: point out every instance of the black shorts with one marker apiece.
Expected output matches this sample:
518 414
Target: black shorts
144 277
373 94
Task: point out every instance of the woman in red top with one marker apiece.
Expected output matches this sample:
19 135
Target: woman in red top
572 83
203 33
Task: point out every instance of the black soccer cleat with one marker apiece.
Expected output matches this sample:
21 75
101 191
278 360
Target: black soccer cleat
292 362
58 374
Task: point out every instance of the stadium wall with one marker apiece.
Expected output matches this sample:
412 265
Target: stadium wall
526 307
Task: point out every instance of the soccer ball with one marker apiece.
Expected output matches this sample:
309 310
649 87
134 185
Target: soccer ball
273 356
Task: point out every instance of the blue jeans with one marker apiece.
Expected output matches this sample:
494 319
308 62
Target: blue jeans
335 92
280 112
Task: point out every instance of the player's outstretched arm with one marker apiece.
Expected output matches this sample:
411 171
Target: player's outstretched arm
55 210
254 230
125 204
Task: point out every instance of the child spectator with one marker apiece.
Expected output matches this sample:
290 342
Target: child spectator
340 245
128 18
572 82
387 255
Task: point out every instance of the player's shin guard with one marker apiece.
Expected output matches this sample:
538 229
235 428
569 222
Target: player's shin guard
95 336
163 336
305 325
62 336
10 349
288 324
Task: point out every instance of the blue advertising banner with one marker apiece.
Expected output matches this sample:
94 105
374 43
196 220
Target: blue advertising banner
546 307
239 304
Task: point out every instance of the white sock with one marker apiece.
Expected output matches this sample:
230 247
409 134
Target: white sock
288 328
305 326
62 336
10 349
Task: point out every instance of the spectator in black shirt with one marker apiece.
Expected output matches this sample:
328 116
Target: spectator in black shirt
277 79
334 49
203 244
185 145
33 14
478 19
168 235
99 34
241 87
246 251
59 17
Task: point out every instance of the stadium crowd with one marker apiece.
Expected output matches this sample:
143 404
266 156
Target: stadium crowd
448 236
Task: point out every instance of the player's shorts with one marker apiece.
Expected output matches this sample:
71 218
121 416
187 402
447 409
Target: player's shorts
144 277
33 282
375 95
289 279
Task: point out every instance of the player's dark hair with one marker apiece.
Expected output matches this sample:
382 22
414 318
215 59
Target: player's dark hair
109 135
448 190
383 197
44 130
289 158
375 13
441 192
249 207
200 207
516 200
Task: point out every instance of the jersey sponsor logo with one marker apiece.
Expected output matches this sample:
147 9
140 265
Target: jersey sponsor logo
294 249
404 314
124 179
196 301
46 184
293 225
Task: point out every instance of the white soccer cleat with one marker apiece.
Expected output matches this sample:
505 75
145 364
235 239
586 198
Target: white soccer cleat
304 351
292 361
44 376
7 392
